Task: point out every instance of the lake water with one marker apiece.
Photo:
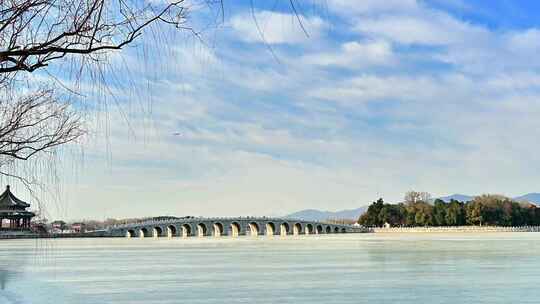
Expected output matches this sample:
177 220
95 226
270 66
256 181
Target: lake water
349 268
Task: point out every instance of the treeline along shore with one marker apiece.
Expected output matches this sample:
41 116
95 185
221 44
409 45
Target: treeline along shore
454 229
418 210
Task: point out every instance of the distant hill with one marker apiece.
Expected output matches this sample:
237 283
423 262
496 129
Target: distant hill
318 215
531 197
457 197
353 214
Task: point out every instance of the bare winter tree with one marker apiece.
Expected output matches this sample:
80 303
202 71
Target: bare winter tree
37 33
33 33
415 197
32 124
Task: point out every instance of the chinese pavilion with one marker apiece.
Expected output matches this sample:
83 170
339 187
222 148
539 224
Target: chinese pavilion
14 211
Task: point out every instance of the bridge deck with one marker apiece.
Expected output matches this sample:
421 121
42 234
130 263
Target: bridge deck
220 226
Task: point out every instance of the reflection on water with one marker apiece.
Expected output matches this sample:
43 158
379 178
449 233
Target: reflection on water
12 261
361 268
16 257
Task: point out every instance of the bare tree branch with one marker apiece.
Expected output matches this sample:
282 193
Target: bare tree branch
36 32
34 124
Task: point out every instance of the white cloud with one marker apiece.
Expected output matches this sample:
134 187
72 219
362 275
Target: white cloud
276 28
347 7
370 88
430 28
527 41
355 54
257 137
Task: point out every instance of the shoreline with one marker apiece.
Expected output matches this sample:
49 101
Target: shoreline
456 229
13 236
378 230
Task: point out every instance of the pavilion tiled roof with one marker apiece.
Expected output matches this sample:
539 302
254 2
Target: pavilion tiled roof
9 201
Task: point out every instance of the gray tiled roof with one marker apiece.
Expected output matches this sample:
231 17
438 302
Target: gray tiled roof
9 201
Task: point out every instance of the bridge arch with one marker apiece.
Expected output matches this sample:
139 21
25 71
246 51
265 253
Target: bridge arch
143 232
270 229
218 229
309 229
201 230
157 231
130 233
186 230
235 229
297 229
254 226
171 231
284 229
328 230
253 229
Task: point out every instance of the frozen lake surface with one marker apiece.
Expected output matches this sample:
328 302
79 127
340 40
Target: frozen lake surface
349 268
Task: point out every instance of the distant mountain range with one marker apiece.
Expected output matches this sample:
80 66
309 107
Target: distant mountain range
318 215
353 214
530 197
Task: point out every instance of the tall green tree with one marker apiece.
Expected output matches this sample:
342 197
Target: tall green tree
392 214
483 210
371 216
439 213
455 213
474 213
419 214
424 215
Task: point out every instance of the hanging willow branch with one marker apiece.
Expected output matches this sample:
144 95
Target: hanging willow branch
35 32
33 124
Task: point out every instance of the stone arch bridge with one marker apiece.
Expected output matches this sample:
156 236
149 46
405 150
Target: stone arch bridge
252 226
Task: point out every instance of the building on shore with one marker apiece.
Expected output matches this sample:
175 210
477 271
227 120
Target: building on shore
13 213
78 227
58 226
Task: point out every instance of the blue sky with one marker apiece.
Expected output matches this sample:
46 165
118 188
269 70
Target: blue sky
382 97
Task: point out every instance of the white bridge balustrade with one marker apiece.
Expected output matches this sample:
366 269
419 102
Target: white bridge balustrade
232 227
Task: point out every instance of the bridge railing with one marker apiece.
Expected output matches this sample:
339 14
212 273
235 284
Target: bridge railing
199 219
